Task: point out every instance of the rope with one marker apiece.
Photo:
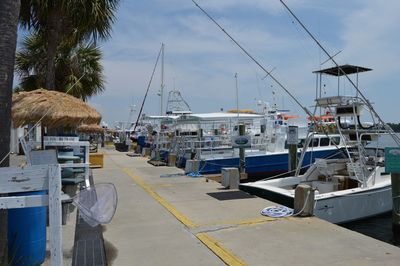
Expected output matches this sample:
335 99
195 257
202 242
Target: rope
172 175
191 174
194 174
216 164
277 211
283 211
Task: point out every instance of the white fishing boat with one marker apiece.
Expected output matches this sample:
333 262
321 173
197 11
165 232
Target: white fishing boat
267 154
345 189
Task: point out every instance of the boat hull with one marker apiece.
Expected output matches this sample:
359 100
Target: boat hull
356 206
262 165
337 209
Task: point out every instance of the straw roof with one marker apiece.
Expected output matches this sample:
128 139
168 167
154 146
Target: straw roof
92 128
56 108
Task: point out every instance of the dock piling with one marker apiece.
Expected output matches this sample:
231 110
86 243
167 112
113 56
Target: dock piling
396 207
242 159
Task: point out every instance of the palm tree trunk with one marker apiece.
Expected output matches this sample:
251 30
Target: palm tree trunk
54 21
9 12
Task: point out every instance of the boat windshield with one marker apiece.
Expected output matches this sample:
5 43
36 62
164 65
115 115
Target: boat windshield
318 142
335 140
324 142
375 152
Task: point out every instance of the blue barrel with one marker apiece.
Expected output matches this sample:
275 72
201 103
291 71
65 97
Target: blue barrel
27 233
164 155
141 141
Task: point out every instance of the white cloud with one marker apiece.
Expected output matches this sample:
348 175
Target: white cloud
201 61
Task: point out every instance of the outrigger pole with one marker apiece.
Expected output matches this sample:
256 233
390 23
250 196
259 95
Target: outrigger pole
388 128
148 87
255 61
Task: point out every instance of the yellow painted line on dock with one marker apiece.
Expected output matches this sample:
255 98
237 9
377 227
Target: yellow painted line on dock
218 250
212 244
183 219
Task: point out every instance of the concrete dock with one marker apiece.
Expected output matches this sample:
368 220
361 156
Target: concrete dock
180 220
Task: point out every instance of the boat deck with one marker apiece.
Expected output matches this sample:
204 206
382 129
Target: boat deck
179 220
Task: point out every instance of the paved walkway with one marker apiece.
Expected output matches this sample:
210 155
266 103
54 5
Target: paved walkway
179 220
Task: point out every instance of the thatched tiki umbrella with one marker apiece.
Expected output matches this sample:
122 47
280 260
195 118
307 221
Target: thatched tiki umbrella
52 108
92 128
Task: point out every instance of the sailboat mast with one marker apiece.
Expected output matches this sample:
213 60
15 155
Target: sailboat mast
162 80
237 96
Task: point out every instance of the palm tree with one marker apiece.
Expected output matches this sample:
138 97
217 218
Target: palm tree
30 63
9 10
83 61
72 63
72 20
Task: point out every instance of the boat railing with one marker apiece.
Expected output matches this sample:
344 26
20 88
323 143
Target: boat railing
208 146
357 166
259 143
213 145
356 171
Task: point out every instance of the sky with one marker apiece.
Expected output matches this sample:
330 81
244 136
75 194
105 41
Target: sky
201 62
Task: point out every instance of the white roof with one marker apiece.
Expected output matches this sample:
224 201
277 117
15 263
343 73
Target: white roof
216 116
161 117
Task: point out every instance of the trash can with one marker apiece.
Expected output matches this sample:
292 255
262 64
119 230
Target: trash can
141 141
27 233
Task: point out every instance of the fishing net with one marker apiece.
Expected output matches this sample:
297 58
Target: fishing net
97 204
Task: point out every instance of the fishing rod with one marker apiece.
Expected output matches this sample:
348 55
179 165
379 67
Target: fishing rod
148 87
254 60
392 133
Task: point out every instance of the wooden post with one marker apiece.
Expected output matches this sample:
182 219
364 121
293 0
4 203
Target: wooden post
292 157
292 140
157 156
392 165
304 200
396 207
242 160
55 216
42 135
